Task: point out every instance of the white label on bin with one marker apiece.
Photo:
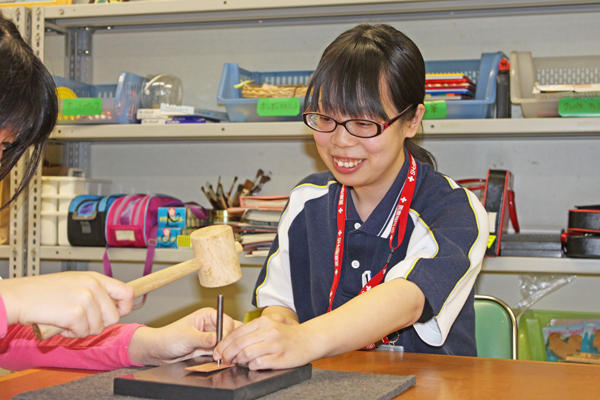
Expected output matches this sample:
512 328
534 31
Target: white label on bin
86 227
125 235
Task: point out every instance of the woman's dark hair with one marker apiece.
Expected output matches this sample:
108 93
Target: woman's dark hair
28 105
349 76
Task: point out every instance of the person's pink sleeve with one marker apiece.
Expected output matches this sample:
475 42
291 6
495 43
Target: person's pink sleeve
19 349
3 319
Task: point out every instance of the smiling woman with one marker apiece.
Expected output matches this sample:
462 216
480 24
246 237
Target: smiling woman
380 250
28 105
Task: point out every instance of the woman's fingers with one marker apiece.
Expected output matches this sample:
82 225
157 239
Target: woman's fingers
240 345
119 292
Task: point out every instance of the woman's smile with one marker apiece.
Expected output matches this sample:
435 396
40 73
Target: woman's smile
346 165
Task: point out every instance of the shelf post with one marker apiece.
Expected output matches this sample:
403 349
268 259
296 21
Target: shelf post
79 66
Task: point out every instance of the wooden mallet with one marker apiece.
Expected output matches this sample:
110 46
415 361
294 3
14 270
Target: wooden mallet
215 260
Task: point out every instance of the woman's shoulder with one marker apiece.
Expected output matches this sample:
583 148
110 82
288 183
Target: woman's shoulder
314 186
438 189
318 179
433 180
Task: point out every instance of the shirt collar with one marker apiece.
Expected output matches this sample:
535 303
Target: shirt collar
379 222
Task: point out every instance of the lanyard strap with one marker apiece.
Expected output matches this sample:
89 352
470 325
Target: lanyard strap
398 225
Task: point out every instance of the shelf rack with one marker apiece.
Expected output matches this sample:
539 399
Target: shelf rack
78 22
517 127
567 266
181 12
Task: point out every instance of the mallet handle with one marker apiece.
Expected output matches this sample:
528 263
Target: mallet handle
141 286
155 280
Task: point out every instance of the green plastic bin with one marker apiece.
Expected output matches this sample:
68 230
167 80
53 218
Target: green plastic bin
531 344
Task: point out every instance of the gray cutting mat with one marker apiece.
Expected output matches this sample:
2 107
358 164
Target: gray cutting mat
324 384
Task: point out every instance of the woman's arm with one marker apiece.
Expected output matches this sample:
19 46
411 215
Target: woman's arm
192 335
82 303
265 343
118 346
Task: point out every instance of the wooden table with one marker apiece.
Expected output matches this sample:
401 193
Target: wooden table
438 377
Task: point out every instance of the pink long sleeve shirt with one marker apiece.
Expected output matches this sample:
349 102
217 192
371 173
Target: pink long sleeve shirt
19 349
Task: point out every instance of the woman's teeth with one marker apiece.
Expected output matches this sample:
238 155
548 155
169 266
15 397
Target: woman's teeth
346 163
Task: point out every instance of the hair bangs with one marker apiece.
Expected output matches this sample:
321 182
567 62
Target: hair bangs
346 83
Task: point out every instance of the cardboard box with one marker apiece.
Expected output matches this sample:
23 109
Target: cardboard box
171 217
167 237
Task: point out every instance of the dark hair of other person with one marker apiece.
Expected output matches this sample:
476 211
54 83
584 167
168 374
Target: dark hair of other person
28 105
348 77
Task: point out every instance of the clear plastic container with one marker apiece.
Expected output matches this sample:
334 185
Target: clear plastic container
120 101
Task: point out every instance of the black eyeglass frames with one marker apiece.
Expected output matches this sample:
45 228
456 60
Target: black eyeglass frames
362 128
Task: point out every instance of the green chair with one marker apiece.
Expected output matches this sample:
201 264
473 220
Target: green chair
495 328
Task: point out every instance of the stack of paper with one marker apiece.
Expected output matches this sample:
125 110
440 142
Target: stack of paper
258 225
448 87
169 114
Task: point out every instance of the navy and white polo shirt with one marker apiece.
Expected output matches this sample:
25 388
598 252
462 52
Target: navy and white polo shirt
442 253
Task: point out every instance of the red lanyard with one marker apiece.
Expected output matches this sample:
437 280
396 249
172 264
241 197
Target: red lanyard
398 224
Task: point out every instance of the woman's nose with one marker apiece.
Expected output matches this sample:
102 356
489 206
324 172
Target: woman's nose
341 137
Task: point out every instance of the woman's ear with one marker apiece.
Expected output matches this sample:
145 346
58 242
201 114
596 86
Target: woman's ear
413 124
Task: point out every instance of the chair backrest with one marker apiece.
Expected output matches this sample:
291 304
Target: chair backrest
495 328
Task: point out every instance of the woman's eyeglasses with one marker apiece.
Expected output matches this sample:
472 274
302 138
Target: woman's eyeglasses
362 128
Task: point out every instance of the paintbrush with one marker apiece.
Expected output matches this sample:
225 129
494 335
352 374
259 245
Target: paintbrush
263 179
242 190
235 178
259 174
212 194
210 199
221 196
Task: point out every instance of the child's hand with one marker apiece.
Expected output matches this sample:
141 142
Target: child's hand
82 303
267 344
191 336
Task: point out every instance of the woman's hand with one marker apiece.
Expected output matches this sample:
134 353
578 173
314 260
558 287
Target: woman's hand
191 336
266 343
82 303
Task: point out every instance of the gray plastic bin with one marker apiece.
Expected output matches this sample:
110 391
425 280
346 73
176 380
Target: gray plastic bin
526 70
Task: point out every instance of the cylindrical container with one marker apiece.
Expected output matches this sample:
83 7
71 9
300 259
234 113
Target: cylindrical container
503 90
216 217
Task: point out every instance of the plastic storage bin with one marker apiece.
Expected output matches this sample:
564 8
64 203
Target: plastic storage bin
119 102
531 339
240 109
483 73
57 193
526 70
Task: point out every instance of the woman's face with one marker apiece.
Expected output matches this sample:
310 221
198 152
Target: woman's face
367 164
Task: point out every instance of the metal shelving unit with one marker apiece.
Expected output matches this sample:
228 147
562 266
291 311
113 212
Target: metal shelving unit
128 15
79 22
518 127
171 256
122 254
